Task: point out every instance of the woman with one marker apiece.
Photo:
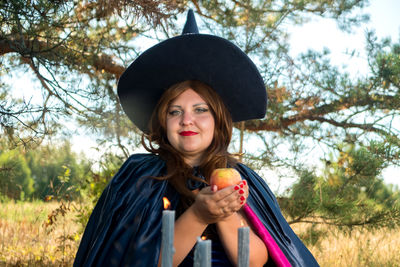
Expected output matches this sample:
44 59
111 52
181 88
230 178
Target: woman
186 114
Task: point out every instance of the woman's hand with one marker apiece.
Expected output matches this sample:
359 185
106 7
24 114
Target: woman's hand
212 205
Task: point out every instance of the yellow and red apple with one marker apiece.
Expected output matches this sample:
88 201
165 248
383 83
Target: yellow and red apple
224 177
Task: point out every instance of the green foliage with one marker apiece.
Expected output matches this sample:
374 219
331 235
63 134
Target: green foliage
15 176
303 200
348 193
45 172
94 185
312 235
57 171
386 62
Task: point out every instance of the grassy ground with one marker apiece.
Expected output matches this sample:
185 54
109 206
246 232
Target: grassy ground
46 234
37 234
359 247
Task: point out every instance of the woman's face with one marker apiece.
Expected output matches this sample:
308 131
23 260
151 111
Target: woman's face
190 126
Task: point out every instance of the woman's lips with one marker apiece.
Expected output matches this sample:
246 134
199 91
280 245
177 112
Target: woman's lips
187 133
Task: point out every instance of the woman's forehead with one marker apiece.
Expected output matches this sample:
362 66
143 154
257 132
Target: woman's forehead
188 95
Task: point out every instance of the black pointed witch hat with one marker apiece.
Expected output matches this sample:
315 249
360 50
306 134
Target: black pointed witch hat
192 56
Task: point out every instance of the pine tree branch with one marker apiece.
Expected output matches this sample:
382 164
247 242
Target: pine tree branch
36 48
318 113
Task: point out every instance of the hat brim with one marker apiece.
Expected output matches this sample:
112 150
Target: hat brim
206 58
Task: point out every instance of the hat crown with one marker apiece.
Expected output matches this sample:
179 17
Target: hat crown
190 25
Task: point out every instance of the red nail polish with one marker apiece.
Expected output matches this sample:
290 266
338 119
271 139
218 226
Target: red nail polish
241 203
236 188
242 198
241 185
244 182
241 191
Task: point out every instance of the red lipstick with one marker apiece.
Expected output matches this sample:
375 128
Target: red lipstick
187 133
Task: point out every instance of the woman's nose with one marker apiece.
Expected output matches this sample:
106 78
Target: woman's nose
187 118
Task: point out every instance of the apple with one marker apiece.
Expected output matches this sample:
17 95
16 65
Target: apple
224 177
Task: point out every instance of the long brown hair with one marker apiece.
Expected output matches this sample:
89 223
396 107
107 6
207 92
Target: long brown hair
215 156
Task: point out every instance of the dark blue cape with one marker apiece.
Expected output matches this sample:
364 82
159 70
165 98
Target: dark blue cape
125 226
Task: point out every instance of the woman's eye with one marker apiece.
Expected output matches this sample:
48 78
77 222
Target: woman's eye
174 112
201 110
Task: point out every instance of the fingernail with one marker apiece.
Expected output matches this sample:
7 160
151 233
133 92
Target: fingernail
241 191
244 182
241 185
241 203
242 198
236 187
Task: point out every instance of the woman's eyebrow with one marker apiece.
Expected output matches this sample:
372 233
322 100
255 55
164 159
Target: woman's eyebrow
200 104
195 105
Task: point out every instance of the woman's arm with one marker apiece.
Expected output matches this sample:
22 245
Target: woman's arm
187 228
227 231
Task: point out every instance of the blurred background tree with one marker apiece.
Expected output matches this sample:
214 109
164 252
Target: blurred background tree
57 170
47 172
15 176
319 116
348 193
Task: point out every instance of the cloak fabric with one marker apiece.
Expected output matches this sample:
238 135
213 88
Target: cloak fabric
125 226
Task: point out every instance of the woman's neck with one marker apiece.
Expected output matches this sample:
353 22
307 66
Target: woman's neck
192 161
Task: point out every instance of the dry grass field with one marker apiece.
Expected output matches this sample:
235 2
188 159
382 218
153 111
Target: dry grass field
29 238
359 247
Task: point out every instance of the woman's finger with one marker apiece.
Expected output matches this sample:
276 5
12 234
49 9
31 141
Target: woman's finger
234 201
217 205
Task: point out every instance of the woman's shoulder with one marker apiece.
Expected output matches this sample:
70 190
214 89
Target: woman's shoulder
249 174
243 168
143 157
257 183
141 164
